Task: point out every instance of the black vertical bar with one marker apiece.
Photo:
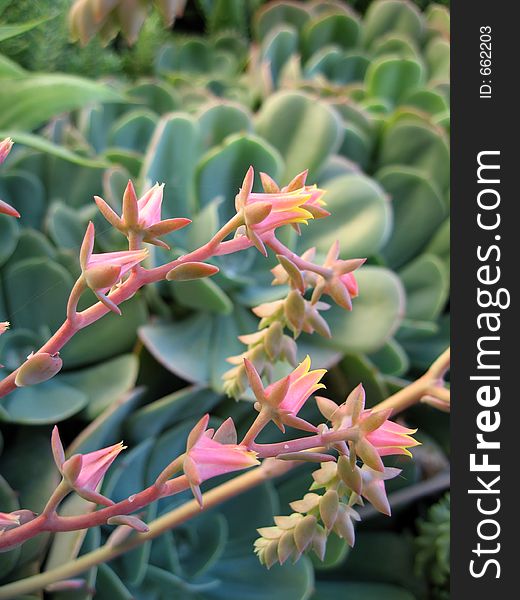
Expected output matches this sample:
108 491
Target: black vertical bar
485 115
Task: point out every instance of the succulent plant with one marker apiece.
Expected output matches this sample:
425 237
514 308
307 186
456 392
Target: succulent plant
362 101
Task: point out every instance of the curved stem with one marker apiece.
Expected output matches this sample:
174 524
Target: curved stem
301 263
269 469
412 394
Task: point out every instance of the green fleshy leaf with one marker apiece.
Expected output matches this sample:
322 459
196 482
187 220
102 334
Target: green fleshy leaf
133 130
43 145
221 171
304 130
417 145
38 294
218 121
375 316
108 337
170 158
396 16
9 232
105 383
393 78
340 30
153 418
427 285
418 211
360 215
27 102
282 13
46 403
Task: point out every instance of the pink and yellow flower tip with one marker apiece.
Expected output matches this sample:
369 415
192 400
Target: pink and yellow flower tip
264 212
211 453
284 398
378 436
84 472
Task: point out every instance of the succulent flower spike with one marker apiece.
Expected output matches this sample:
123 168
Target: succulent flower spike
283 399
102 271
377 435
207 456
142 216
265 212
5 148
342 285
84 472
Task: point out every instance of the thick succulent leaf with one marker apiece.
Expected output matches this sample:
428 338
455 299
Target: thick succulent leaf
342 30
417 145
427 285
396 16
196 348
26 193
66 227
391 359
105 383
393 78
305 131
219 120
418 211
170 159
133 130
221 171
109 586
157 96
9 232
34 483
337 65
375 316
108 337
38 294
361 218
27 102
279 13
277 49
153 418
46 403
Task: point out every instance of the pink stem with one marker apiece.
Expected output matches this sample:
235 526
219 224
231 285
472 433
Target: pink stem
304 265
54 522
322 439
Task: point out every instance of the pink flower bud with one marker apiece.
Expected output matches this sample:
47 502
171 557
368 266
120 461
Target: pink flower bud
284 398
84 472
102 271
4 326
5 148
38 368
142 215
191 270
206 457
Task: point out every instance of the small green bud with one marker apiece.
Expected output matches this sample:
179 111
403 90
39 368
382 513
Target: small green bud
38 368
